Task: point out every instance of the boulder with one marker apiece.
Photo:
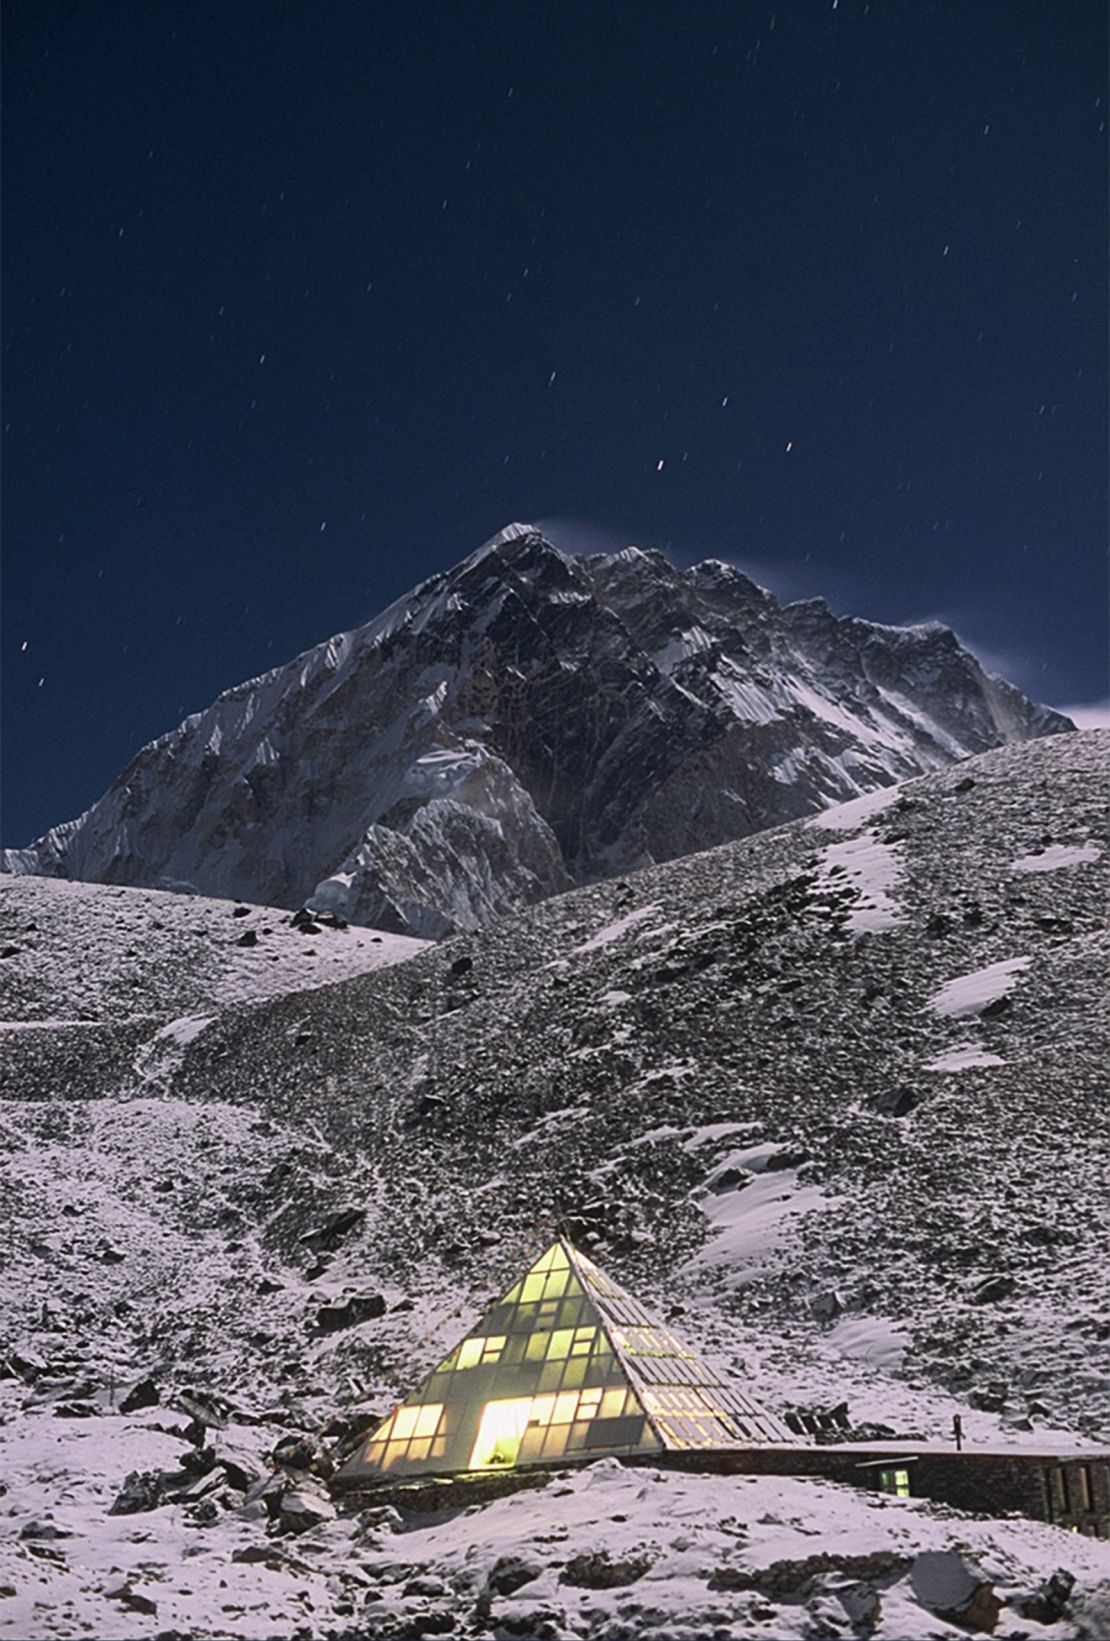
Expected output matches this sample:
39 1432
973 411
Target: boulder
955 1590
144 1394
36 1529
141 1491
827 1306
331 1233
598 1570
304 1505
353 1310
510 1573
898 1101
993 1289
1049 1602
127 1596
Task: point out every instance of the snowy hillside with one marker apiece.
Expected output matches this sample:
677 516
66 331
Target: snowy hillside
833 1097
524 722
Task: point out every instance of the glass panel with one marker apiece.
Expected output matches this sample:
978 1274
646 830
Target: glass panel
565 1407
404 1422
500 1434
559 1344
556 1285
574 1371
428 1419
470 1353
555 1441
532 1288
531 1443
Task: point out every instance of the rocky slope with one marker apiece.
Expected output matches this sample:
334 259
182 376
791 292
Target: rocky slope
528 721
833 1097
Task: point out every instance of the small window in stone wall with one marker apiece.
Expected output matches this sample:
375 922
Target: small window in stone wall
1061 1500
1083 1472
896 1482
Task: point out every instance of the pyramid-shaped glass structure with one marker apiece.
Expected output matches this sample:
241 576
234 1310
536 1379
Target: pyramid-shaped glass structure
567 1365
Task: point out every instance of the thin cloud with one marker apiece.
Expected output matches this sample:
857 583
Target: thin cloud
1089 715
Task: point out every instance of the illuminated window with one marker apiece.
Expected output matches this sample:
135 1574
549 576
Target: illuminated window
499 1434
896 1482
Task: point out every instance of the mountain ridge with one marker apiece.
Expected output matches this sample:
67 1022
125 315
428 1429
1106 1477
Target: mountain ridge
526 721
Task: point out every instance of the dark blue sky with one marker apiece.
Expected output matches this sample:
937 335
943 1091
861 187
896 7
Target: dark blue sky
304 300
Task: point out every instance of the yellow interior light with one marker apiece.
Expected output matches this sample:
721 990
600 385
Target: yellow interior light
500 1433
428 1419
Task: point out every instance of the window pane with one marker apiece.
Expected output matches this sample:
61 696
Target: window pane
427 1420
559 1344
470 1353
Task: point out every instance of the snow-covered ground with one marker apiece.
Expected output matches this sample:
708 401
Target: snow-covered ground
603 1552
713 1077
94 952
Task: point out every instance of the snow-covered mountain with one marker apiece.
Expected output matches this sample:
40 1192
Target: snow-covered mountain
832 1098
525 722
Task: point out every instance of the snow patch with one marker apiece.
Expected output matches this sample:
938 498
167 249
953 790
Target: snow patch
872 868
1058 855
970 993
870 1339
613 931
963 1059
848 817
749 1226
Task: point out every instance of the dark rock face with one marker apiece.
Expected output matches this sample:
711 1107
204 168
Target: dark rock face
597 1570
144 1394
358 1308
141 1491
524 722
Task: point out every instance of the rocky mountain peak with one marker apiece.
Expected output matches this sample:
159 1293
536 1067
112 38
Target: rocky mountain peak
525 721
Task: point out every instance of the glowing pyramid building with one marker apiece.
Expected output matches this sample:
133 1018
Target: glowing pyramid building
567 1365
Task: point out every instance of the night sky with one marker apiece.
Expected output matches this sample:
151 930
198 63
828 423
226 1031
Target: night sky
302 301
